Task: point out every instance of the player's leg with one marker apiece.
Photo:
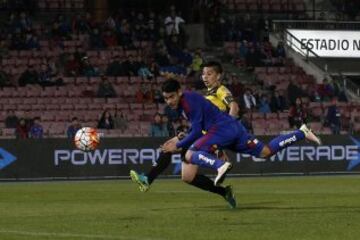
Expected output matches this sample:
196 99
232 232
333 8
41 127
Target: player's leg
247 143
206 159
145 180
201 153
189 174
282 141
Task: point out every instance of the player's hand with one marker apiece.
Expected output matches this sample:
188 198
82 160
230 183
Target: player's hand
181 135
174 139
170 146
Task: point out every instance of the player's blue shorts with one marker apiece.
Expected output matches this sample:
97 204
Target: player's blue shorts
230 135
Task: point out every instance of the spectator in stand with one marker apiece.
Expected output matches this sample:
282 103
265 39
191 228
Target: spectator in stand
196 63
73 128
333 117
297 114
115 68
11 120
294 92
64 27
106 89
173 23
249 100
280 50
30 76
278 102
326 90
4 79
72 66
130 66
25 22
243 49
156 93
162 58
96 41
264 106
4 48
154 69
157 128
168 124
110 23
87 69
36 130
125 35
81 24
110 39
139 34
22 130
144 71
17 41
252 59
45 76
106 121
120 121
140 94
31 42
152 33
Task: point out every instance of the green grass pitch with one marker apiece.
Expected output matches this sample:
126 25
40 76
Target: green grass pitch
326 207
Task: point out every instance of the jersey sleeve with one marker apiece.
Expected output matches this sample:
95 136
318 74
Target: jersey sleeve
225 95
196 117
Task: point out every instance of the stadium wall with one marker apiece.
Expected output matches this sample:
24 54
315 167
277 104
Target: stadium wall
51 159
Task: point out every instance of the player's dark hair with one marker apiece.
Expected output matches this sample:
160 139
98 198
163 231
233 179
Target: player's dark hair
170 85
215 65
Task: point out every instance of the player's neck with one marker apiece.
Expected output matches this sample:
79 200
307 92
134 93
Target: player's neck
217 85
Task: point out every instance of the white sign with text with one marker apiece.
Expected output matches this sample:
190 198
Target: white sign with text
325 43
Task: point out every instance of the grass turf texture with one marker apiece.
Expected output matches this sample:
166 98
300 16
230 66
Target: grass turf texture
269 208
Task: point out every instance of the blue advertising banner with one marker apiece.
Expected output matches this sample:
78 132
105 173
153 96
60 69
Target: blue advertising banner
58 159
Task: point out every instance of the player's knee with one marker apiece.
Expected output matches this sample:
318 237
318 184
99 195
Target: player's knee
187 178
188 156
265 152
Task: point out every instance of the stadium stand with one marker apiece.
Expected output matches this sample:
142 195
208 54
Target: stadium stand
77 51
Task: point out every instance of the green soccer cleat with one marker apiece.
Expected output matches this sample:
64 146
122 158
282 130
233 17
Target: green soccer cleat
141 180
230 197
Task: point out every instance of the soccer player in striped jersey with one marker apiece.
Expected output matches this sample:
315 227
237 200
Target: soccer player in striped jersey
221 97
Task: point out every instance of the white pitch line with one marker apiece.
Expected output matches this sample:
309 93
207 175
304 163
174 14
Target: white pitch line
72 235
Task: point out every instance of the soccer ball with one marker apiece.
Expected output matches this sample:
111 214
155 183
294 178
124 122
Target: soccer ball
87 139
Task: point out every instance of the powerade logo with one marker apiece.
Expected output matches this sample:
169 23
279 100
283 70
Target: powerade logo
109 157
6 158
348 153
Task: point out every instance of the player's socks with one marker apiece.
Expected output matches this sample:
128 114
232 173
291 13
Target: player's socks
205 183
205 159
162 163
283 141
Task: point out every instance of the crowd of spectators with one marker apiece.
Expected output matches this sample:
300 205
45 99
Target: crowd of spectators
165 55
24 127
122 31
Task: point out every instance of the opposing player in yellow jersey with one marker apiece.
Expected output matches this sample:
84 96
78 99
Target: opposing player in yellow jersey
217 93
220 96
